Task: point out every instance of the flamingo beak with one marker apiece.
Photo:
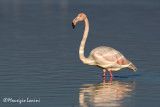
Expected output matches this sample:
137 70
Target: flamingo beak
73 26
74 23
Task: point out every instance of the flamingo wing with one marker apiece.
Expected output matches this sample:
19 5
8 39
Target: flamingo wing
108 56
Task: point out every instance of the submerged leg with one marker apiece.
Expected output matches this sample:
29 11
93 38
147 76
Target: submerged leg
111 80
111 73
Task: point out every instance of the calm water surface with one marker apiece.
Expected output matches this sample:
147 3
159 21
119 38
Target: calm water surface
39 53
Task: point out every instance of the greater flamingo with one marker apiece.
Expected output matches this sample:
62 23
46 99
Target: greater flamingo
104 57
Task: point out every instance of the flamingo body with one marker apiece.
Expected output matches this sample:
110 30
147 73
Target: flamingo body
104 57
110 59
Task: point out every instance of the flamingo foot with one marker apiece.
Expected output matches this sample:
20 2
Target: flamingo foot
111 73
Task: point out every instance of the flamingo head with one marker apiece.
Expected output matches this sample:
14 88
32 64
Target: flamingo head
80 17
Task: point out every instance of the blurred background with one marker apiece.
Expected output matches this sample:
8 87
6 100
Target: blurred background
39 52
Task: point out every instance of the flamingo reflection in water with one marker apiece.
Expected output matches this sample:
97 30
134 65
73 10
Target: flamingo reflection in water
104 57
105 94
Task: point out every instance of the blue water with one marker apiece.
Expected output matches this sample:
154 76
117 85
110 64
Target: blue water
39 53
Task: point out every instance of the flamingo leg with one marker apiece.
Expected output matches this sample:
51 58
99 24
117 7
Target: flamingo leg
111 73
104 72
104 79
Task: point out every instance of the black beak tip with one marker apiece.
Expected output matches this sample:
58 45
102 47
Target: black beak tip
73 26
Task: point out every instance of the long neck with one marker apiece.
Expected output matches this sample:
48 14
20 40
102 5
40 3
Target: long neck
82 45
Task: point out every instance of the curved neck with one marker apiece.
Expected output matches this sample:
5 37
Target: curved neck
82 45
